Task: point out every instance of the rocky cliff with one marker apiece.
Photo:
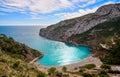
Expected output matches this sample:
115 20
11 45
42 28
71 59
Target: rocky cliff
63 30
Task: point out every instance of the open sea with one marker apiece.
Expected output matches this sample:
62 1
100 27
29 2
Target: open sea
55 53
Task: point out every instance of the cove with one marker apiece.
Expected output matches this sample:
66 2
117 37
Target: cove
55 53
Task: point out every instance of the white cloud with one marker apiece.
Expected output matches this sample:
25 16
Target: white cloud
15 3
47 6
39 6
88 2
34 6
84 3
80 0
79 13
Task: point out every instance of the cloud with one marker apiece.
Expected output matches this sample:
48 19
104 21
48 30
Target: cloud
34 6
79 13
40 6
47 6
87 2
14 5
84 3
81 0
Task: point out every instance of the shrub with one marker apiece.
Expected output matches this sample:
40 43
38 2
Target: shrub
89 66
103 74
41 74
81 69
65 75
64 69
51 70
105 66
86 75
16 64
58 74
114 71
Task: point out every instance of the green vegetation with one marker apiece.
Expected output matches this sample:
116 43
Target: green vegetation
103 74
64 69
114 71
13 59
112 54
102 33
17 50
98 32
65 75
88 73
105 66
99 74
52 71
13 67
89 66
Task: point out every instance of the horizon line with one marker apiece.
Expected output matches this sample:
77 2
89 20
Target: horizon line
23 25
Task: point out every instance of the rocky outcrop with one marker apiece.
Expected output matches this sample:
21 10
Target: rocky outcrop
65 29
96 34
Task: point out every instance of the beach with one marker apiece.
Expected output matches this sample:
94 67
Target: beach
70 67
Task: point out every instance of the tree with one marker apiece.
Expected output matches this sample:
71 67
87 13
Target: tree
51 71
86 75
105 66
41 74
64 69
16 64
103 74
89 66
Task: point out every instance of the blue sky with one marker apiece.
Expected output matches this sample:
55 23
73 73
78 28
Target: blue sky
46 12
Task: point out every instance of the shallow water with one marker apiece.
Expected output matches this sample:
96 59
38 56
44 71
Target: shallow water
55 53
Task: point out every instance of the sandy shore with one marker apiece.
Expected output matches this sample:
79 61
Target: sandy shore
89 60
70 67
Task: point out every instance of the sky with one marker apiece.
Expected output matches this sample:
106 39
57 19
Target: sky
46 12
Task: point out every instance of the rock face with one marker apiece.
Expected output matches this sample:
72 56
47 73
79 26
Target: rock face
65 29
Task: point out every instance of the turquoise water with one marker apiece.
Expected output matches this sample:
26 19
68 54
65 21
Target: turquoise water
55 53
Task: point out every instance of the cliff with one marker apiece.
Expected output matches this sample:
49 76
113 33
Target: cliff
64 30
97 34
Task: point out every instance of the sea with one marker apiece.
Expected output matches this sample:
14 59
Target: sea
55 53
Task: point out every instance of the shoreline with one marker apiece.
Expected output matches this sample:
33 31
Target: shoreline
70 67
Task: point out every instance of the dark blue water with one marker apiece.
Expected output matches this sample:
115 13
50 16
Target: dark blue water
55 53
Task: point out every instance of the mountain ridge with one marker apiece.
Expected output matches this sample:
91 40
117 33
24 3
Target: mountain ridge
65 29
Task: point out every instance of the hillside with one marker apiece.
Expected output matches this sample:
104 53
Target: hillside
104 38
98 33
99 30
14 58
17 50
14 67
65 29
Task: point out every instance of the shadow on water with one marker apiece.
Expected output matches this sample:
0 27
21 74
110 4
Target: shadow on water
68 44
